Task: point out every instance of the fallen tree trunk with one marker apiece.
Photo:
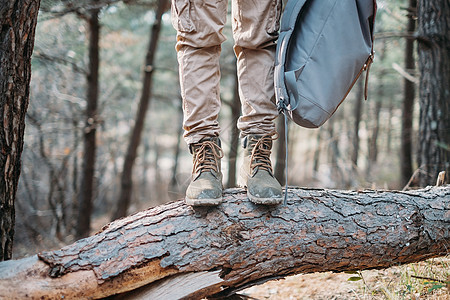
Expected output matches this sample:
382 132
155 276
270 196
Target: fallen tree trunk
173 251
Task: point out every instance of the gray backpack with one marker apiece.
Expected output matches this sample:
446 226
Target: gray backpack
323 48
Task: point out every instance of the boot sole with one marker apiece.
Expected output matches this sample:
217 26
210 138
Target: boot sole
203 202
264 201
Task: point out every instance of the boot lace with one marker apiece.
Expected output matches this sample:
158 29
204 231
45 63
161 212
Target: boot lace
206 157
260 158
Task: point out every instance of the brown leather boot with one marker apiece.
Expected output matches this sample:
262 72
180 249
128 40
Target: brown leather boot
205 188
256 172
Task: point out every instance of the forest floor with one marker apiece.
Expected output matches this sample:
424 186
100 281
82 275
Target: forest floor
393 283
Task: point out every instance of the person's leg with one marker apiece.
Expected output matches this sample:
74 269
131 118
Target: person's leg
255 30
199 25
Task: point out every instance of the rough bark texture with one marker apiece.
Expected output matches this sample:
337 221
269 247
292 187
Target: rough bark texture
239 244
17 28
126 181
87 185
434 65
408 99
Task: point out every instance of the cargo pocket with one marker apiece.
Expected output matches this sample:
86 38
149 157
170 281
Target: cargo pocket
181 16
273 22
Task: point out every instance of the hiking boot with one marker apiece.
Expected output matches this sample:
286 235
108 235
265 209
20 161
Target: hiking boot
205 188
256 172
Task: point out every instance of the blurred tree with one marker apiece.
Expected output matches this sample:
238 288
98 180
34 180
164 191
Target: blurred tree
434 66
334 154
18 23
316 158
280 161
126 185
176 158
374 132
83 224
235 107
357 113
408 99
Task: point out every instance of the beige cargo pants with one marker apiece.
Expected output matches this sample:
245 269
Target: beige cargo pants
199 25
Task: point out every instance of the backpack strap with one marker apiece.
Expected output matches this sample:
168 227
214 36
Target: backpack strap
372 53
288 21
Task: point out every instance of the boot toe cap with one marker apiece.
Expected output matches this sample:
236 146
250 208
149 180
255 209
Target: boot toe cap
264 189
205 190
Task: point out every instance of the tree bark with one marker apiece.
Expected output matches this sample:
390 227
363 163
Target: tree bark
83 224
216 251
434 65
126 184
18 23
408 99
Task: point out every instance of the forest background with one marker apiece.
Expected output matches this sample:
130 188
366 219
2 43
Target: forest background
96 63
103 117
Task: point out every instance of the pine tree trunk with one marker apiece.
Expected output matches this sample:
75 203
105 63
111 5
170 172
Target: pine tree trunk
408 100
83 225
18 23
434 65
126 182
216 251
